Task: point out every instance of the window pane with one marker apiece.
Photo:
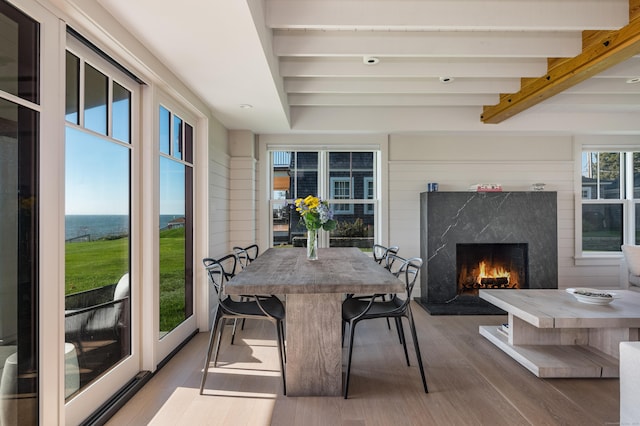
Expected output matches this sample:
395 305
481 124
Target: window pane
362 161
172 245
637 222
281 177
349 174
18 263
340 161
177 137
601 175
121 113
609 173
19 53
636 175
165 135
72 93
602 227
97 253
355 229
95 100
589 175
280 220
305 170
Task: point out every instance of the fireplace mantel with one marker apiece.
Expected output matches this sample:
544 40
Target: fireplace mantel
450 218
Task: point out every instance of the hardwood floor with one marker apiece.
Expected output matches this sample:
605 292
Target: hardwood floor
471 382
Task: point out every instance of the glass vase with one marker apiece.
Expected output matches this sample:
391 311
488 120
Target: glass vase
312 245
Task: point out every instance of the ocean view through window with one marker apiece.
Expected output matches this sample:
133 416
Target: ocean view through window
98 218
94 227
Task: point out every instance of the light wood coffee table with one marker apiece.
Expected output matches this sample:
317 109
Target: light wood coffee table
553 335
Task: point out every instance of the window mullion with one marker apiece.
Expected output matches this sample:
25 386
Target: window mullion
81 92
110 107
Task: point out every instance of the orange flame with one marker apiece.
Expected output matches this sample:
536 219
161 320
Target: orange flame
488 272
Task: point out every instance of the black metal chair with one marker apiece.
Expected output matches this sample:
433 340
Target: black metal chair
246 255
268 308
355 310
380 253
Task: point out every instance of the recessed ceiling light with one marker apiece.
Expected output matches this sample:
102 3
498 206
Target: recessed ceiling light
634 80
446 79
370 60
246 106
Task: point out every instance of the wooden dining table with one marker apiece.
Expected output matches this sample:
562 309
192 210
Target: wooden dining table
314 290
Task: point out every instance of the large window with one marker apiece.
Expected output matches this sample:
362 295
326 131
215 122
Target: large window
98 144
345 179
19 205
610 194
176 220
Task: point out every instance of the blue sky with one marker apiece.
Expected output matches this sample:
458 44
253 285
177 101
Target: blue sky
97 171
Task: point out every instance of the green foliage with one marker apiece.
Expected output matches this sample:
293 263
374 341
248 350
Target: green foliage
609 165
357 228
98 263
172 276
95 264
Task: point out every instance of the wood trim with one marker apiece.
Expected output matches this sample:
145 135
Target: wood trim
601 50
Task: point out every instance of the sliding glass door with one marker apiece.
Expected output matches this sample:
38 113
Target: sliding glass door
19 206
100 241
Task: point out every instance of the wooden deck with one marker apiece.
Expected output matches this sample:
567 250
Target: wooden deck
471 382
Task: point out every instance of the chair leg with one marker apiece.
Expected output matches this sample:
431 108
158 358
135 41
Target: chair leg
403 339
221 325
417 346
284 348
243 321
282 355
398 328
212 334
233 332
352 328
384 299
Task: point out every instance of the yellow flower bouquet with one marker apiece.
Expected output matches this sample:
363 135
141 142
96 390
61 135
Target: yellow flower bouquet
316 215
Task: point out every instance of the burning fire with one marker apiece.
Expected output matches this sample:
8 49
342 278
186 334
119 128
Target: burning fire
489 272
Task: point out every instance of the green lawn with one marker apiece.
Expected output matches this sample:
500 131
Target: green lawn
98 263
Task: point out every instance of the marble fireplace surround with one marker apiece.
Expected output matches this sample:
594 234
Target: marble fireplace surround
449 218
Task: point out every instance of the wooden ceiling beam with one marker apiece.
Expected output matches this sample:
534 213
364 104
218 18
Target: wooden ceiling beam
601 50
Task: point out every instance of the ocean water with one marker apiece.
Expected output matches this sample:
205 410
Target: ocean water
93 227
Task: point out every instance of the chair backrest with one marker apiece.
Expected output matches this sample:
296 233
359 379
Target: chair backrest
405 269
390 257
122 288
246 255
220 271
380 253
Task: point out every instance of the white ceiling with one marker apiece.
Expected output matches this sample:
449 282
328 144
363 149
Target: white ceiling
300 63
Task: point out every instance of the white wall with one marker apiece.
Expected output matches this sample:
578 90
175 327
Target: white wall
219 170
243 223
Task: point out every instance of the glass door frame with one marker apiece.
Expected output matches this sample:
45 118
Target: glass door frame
100 390
166 344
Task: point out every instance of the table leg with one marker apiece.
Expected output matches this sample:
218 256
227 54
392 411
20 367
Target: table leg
314 344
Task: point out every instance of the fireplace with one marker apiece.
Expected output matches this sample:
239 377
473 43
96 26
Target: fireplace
515 231
495 265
